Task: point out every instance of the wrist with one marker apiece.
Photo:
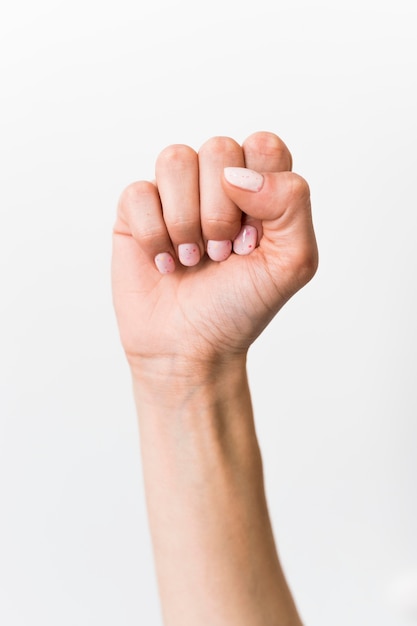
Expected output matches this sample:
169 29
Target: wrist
166 380
211 401
197 414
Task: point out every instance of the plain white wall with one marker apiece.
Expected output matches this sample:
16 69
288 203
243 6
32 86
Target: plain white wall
90 92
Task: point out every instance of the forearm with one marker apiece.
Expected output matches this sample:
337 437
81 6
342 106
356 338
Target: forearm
215 554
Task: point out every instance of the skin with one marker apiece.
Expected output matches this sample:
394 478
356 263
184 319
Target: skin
186 335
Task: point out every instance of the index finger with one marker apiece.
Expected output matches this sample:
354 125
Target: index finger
220 217
266 152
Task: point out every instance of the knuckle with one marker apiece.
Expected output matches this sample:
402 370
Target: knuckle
299 189
182 222
267 144
219 146
220 227
175 156
222 220
305 261
133 193
148 234
270 147
133 196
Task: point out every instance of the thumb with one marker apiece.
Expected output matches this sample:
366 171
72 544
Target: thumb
281 200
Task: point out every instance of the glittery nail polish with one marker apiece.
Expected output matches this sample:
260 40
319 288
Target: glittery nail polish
219 250
189 254
245 242
164 263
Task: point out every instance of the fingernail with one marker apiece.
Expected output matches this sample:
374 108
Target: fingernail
189 254
219 250
245 242
244 178
165 263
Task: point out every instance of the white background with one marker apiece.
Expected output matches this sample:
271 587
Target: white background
90 92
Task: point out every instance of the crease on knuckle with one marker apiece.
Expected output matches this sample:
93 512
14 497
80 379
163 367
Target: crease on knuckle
180 223
221 221
147 234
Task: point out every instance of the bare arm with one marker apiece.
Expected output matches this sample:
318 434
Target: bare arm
186 333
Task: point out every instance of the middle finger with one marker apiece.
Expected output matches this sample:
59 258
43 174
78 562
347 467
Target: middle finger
177 181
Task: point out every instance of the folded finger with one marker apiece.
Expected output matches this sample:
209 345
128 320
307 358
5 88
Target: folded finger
220 217
266 152
178 186
140 212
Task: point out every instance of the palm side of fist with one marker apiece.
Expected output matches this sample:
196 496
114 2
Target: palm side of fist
204 257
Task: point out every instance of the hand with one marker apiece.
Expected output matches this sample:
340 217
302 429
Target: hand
194 309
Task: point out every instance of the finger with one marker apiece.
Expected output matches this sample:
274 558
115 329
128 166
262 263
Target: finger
282 201
220 217
140 215
178 186
263 152
266 152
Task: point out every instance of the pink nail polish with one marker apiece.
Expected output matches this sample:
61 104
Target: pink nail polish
165 263
243 178
219 250
245 242
189 254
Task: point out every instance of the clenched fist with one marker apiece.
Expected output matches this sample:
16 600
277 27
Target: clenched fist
206 254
